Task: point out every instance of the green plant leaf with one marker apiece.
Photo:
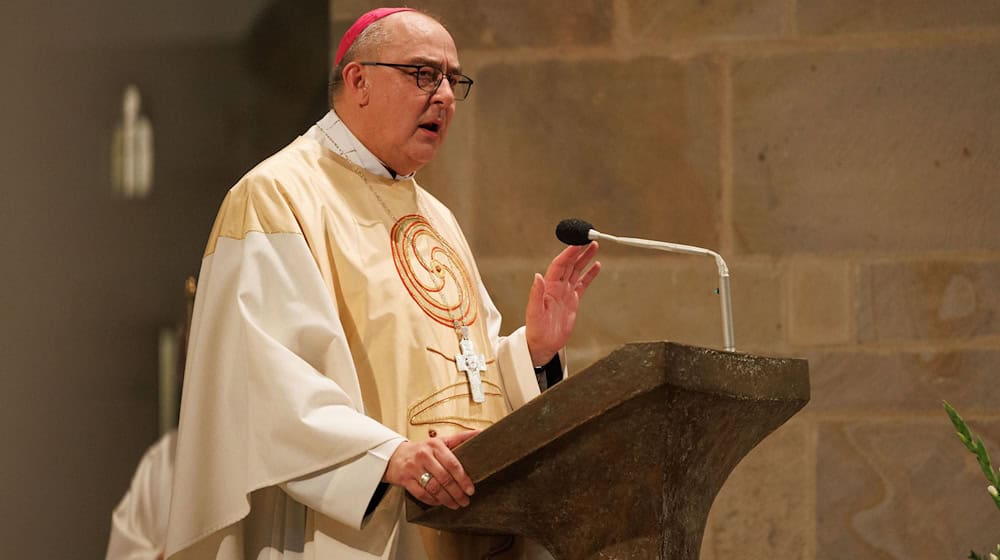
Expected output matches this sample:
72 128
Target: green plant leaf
983 457
963 433
977 447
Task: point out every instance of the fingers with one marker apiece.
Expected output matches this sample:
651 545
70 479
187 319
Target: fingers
583 266
584 282
455 481
561 267
449 485
455 440
419 492
447 490
537 291
570 264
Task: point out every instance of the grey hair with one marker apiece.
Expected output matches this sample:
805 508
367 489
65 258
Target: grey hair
368 44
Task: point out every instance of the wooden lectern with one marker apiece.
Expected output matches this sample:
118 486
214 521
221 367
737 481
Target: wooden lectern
624 459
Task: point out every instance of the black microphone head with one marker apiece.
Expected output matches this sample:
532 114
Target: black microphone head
574 231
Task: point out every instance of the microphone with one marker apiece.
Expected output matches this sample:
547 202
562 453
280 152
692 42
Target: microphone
573 231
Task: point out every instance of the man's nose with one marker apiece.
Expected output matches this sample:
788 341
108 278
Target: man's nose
444 94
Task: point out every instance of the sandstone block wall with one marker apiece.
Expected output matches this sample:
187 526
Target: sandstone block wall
843 157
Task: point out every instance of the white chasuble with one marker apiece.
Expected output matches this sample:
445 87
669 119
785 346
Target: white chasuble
328 322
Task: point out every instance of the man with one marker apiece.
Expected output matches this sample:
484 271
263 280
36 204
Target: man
343 342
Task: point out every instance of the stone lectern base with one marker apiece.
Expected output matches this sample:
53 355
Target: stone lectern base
624 459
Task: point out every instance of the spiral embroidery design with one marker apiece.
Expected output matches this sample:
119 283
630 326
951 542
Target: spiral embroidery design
432 272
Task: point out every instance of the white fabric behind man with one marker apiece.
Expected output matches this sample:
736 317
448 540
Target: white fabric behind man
139 523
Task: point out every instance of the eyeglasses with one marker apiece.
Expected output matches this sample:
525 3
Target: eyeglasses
429 78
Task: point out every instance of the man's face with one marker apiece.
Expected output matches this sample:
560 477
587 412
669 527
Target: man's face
408 124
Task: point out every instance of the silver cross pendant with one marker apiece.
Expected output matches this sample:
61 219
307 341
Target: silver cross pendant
471 364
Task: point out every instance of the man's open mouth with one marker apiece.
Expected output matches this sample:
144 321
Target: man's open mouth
433 127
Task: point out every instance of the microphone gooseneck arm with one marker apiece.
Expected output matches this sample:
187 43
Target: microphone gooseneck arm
724 293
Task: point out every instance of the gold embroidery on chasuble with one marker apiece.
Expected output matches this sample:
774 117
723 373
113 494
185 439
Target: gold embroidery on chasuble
439 283
395 282
432 272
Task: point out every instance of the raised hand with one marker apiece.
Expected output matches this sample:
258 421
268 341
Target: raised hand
555 298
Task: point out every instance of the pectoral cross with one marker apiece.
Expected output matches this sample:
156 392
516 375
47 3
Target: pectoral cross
471 364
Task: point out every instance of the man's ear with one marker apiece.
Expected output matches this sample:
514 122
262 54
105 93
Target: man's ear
356 83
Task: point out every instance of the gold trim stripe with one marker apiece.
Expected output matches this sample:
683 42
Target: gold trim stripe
255 205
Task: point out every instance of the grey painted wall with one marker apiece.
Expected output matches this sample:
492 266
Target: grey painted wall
86 279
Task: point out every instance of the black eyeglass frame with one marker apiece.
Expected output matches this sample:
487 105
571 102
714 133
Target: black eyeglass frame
453 79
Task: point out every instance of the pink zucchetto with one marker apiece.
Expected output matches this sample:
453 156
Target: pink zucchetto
362 24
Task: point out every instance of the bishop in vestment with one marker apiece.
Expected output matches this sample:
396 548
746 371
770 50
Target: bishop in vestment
343 341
